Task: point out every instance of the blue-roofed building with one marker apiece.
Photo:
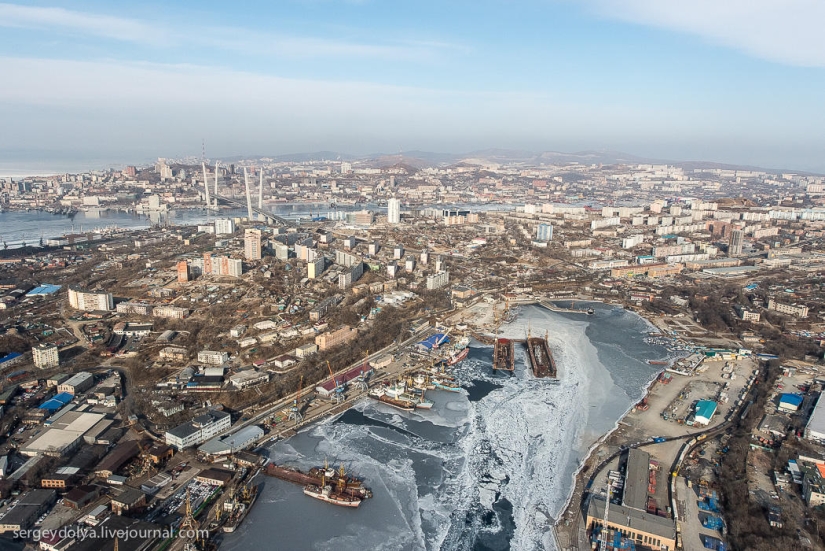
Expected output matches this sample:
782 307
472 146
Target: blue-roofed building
10 359
433 341
44 290
704 412
58 401
789 402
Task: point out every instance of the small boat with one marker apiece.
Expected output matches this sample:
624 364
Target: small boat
590 311
443 384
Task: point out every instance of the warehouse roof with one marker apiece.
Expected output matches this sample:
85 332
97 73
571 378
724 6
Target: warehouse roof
816 423
705 409
791 399
636 479
639 520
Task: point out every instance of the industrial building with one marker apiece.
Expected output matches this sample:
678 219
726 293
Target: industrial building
705 409
636 479
789 402
77 383
198 430
652 531
815 429
63 435
231 443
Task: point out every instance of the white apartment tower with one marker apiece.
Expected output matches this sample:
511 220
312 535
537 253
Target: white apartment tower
394 211
45 356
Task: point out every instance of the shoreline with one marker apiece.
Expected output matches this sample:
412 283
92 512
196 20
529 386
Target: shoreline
566 523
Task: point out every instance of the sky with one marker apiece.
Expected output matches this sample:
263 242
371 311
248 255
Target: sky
738 81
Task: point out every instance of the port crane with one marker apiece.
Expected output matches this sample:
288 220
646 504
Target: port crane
338 391
442 339
360 382
295 410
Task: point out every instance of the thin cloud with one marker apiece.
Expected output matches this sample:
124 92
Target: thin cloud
782 31
104 26
239 40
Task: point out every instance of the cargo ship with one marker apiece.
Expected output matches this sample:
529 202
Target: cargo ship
238 507
352 486
380 393
458 356
503 355
540 358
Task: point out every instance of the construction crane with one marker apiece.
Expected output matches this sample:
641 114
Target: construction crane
295 410
603 540
339 388
442 339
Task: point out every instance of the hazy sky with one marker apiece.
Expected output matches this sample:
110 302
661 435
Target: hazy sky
732 81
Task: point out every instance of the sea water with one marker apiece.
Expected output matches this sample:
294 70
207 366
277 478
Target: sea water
488 468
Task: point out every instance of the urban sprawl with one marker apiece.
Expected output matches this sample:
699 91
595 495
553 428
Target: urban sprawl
143 370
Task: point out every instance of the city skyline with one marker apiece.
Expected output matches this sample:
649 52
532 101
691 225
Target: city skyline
733 84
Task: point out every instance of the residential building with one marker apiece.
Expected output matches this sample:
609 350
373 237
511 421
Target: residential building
335 338
796 310
90 301
224 226
746 314
737 239
183 271
438 280
45 356
172 312
213 358
393 211
316 267
252 244
544 232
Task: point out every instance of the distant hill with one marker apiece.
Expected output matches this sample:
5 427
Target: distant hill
416 159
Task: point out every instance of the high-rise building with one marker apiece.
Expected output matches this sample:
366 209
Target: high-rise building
394 211
737 238
398 252
45 356
183 271
544 232
316 268
90 300
252 244
224 226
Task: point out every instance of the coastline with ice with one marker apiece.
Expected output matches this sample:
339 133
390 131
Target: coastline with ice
491 467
